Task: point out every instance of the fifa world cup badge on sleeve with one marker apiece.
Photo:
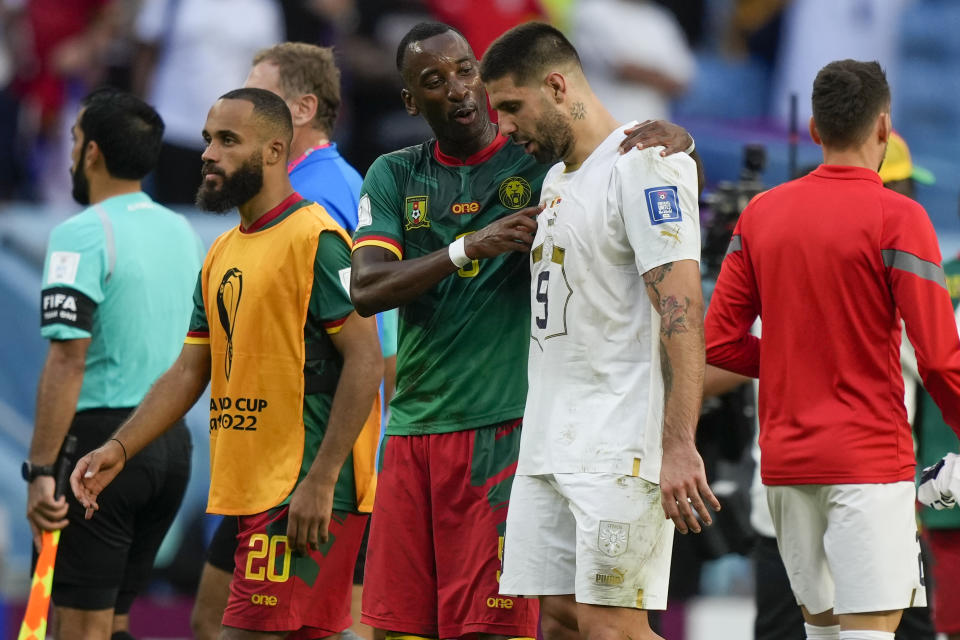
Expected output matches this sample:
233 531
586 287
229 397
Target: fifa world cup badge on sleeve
663 205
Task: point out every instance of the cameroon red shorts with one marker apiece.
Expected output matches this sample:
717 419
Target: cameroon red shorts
944 547
436 538
275 589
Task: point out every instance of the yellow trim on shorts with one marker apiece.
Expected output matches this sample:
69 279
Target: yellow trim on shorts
636 467
196 340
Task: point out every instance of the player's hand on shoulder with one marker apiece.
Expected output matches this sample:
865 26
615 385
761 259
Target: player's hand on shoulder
44 513
684 488
940 483
308 518
511 233
657 133
94 472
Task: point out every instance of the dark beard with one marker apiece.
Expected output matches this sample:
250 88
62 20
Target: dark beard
554 137
81 186
236 189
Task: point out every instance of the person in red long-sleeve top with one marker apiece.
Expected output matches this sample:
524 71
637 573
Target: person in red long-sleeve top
831 262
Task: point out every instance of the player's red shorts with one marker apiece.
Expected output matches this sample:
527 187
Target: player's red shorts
275 589
944 545
436 538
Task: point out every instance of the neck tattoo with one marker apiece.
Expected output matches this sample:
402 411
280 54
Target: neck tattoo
578 111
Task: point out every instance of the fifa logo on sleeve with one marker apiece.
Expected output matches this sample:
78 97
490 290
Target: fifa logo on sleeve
228 302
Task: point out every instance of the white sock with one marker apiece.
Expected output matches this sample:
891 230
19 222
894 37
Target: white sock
864 634
822 633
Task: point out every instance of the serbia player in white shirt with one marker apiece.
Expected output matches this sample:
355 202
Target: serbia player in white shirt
616 354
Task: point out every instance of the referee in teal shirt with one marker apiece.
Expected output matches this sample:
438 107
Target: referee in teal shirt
117 291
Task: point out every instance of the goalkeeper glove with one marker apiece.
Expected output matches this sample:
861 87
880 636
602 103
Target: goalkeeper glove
940 483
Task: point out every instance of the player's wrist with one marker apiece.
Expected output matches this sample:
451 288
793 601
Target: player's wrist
457 251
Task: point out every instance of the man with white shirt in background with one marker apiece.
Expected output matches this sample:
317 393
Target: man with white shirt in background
635 54
190 52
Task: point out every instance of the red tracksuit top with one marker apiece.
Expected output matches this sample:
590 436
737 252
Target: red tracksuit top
830 262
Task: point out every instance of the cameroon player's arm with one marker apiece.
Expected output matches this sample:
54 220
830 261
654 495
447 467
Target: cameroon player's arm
312 501
380 280
170 397
661 133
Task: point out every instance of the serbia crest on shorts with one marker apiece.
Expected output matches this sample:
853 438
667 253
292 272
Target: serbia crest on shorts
663 205
613 536
415 213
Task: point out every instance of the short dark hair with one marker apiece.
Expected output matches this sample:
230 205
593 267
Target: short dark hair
269 108
525 51
307 68
419 32
127 130
847 97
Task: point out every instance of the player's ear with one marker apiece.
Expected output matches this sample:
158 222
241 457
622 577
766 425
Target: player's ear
92 155
814 134
556 86
408 102
884 126
276 151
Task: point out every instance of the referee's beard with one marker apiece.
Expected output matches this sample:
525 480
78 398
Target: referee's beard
235 189
81 186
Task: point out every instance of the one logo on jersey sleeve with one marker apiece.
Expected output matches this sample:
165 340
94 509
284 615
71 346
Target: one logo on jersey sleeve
515 192
663 205
415 213
63 267
228 302
364 216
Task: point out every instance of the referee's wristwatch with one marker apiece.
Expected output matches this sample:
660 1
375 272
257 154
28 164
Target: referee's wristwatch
31 472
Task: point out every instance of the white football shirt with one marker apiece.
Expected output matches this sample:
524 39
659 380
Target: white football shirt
595 402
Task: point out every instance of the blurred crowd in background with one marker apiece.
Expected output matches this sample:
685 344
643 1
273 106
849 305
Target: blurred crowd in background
724 69
714 59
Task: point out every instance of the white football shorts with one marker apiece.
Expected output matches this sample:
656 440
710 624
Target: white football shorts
600 536
850 547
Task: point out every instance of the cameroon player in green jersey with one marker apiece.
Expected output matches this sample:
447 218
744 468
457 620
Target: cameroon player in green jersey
444 229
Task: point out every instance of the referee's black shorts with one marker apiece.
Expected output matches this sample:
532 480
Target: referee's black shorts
102 563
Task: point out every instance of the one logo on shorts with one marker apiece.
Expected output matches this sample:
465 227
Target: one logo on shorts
415 213
499 603
613 537
228 301
264 600
515 192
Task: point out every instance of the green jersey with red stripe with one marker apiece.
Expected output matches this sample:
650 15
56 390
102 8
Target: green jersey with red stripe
462 345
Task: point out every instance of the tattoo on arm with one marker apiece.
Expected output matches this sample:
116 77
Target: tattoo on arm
673 312
673 319
666 369
578 111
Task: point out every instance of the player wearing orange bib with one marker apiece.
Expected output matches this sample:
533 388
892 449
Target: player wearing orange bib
293 372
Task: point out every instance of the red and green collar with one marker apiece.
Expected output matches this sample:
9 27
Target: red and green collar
479 157
278 214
